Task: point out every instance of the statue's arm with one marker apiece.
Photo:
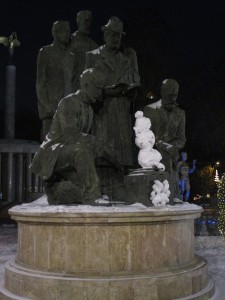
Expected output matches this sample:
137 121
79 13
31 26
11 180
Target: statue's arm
147 112
75 73
152 115
41 85
180 139
89 61
68 115
179 164
134 66
72 44
193 168
93 45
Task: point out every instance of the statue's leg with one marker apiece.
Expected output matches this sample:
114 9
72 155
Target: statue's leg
77 180
105 178
177 188
187 190
84 164
180 190
118 187
111 182
168 163
64 187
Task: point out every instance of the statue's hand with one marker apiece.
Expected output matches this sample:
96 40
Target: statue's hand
112 91
173 152
98 145
119 167
166 138
132 93
87 142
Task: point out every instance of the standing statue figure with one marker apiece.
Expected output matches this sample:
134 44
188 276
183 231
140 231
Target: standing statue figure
184 171
66 158
168 125
112 120
55 73
81 42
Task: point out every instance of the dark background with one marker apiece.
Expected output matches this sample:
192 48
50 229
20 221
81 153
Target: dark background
184 40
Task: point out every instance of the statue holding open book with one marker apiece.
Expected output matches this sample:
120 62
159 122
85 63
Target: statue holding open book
112 121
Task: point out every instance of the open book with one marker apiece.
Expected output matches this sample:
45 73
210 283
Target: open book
120 88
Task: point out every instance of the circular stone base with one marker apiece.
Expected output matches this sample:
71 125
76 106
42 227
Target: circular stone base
45 285
126 252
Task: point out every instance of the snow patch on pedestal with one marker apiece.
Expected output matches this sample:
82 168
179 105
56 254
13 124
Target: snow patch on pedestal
41 206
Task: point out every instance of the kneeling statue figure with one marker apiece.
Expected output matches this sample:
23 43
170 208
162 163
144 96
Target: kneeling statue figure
66 159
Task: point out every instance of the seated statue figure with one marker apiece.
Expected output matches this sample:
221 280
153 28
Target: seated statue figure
168 125
66 159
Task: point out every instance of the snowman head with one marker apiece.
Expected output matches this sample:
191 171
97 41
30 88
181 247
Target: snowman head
142 123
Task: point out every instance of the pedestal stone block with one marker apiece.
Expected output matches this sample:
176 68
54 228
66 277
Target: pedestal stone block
139 185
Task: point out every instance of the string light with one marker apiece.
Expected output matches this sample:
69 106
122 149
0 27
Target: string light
221 205
217 163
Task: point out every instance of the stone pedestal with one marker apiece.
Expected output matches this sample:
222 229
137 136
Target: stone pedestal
139 185
100 253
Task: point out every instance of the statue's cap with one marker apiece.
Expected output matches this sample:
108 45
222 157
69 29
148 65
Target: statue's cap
93 75
60 24
115 25
170 83
87 14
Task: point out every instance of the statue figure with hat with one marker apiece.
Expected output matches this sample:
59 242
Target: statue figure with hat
168 125
81 42
112 119
55 73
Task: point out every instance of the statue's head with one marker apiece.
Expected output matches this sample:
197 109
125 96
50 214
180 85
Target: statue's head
113 32
183 156
61 32
91 83
83 20
169 92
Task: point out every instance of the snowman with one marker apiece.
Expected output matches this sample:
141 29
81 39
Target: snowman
160 194
145 140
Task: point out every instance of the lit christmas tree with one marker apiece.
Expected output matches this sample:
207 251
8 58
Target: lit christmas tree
217 179
221 205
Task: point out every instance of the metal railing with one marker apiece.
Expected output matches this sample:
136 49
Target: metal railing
17 184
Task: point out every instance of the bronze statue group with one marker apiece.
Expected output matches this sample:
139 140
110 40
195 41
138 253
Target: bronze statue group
84 97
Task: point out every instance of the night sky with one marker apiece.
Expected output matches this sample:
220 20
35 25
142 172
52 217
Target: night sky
184 40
